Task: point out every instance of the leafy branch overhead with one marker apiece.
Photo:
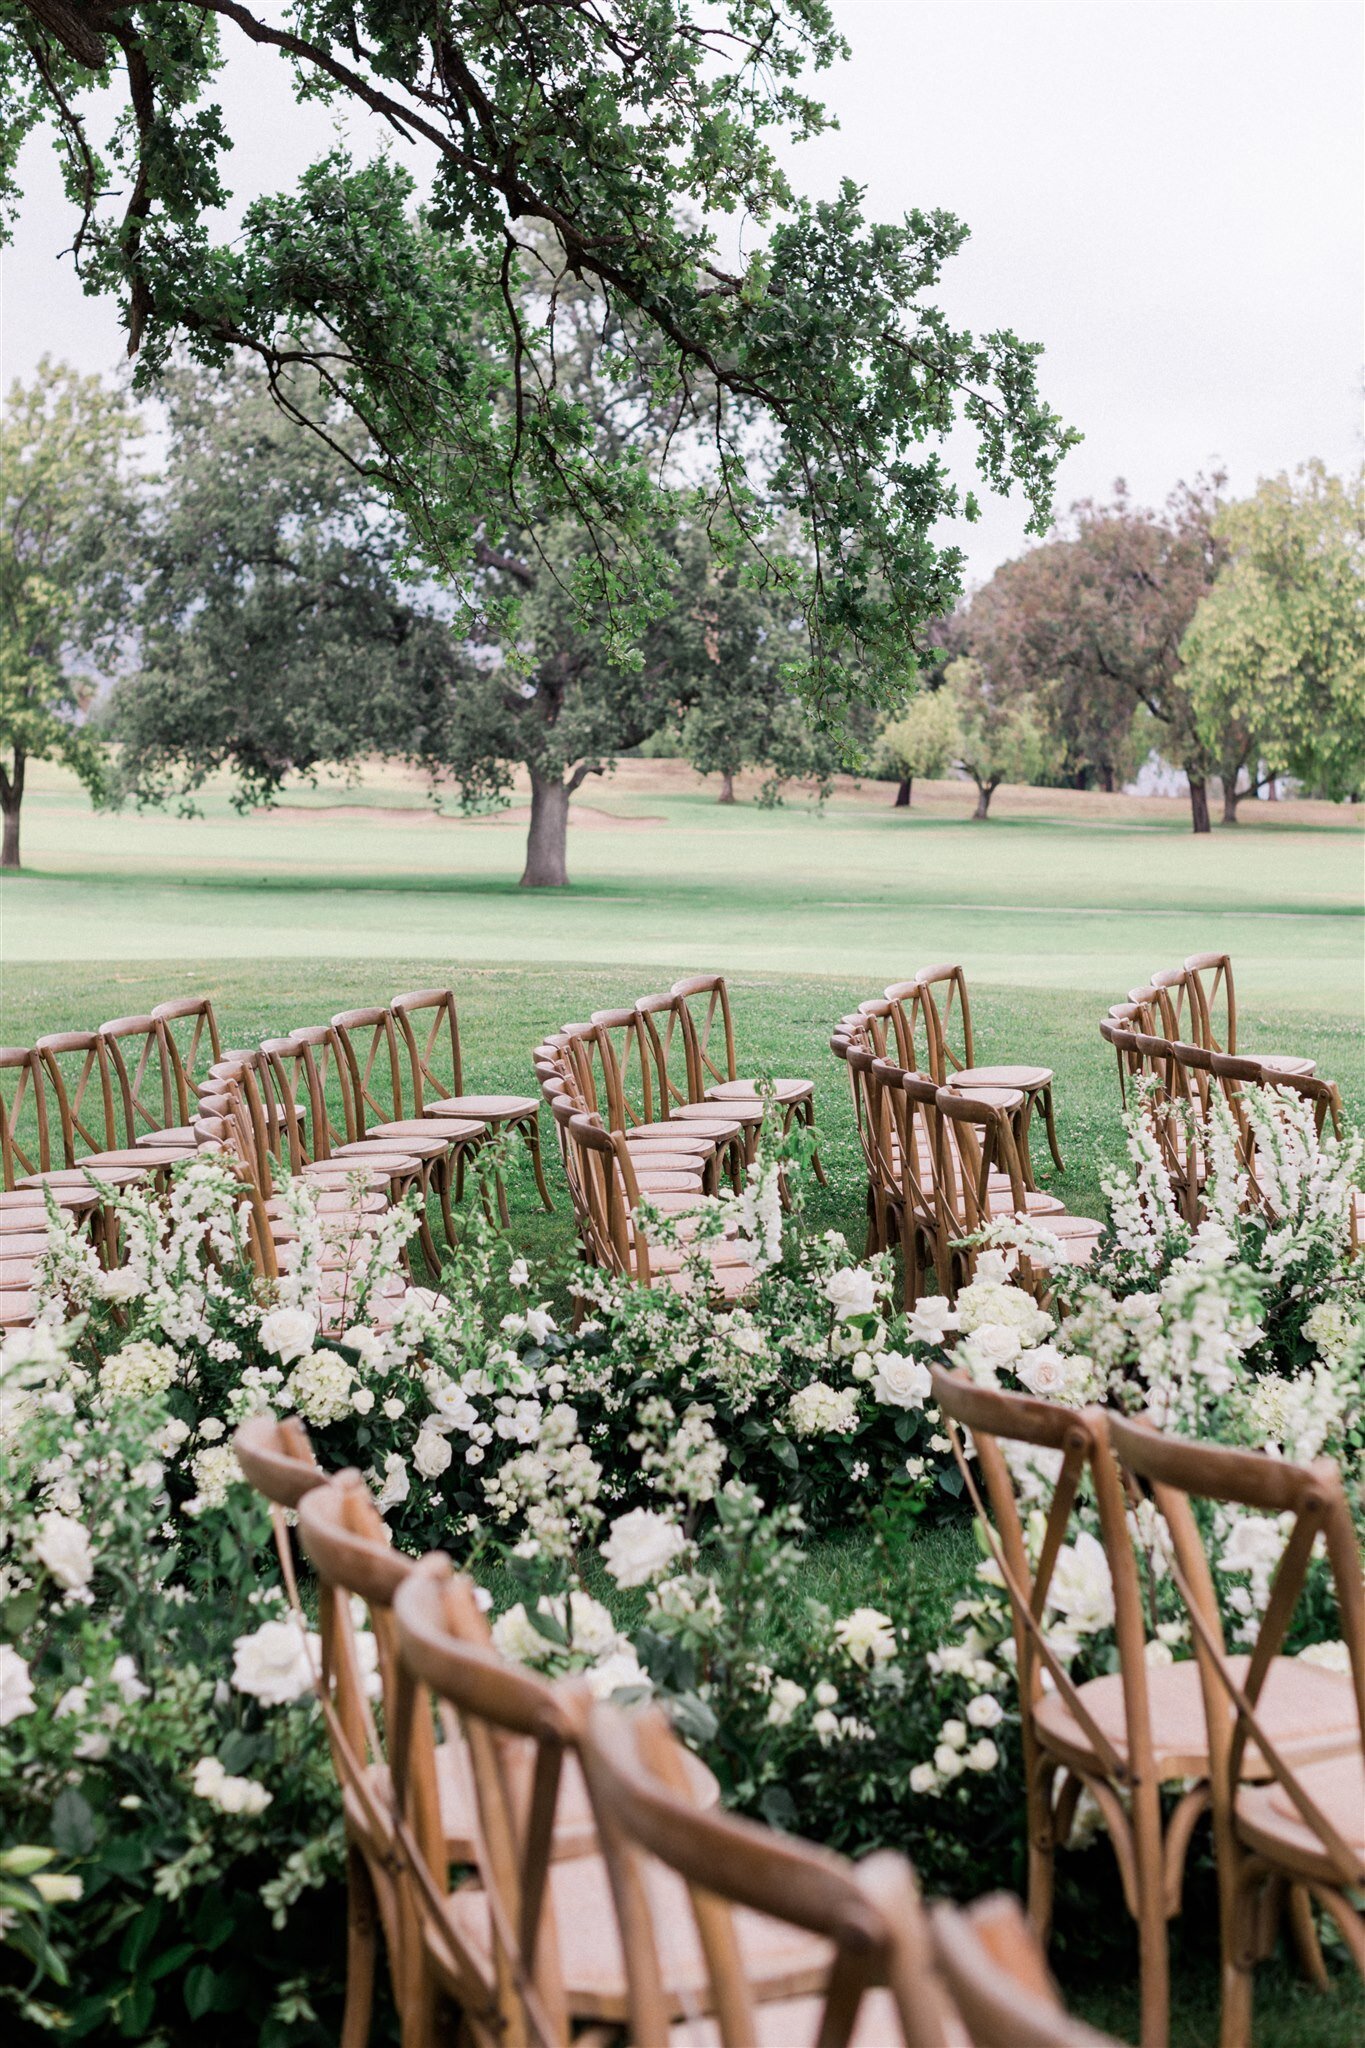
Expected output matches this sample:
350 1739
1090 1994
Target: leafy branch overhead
607 142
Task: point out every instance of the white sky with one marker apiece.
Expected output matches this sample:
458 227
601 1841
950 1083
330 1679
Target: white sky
1169 194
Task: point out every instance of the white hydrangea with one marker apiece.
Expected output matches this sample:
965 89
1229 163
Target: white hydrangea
138 1370
1331 1329
998 1302
213 1471
820 1410
641 1546
321 1386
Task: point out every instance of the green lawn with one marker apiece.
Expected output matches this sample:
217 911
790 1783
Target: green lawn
1056 908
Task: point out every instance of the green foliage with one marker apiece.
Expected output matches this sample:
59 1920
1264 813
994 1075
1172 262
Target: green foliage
922 741
1275 655
825 370
66 514
1002 734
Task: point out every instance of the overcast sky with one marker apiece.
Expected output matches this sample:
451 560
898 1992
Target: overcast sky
1168 194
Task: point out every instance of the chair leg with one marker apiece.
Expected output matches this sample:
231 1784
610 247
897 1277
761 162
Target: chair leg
1303 1932
362 1942
531 1128
1042 1849
1051 1130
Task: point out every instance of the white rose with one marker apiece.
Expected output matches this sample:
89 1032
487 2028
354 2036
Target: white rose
641 1546
924 1778
985 1711
16 1687
289 1333
518 1638
431 1454
954 1733
621 1672
901 1382
983 1755
362 1400
210 1429
930 1322
1044 1371
851 1291
275 1665
947 1762
393 1408
787 1696
866 1636
168 1439
826 1695
1082 1588
989 1346
1157 1655
63 1546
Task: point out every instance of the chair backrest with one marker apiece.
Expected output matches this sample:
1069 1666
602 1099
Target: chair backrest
857 1056
430 1030
947 1012
583 1064
908 1004
445 1648
1117 1030
192 1040
1177 1473
713 1029
1147 1014
915 1137
309 1066
625 1060
77 1067
1213 1001
992 1967
277 1458
647 1809
1074 1442
25 1145
368 1042
1175 1003
143 1076
603 1180
667 1025
1324 1095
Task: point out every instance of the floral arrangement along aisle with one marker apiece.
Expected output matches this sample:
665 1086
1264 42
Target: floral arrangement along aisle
729 1506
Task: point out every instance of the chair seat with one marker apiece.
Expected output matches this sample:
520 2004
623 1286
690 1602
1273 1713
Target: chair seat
381 1157
18 1306
729 1281
141 1158
795 2023
1000 1077
416 1131
737 1109
1269 1821
76 1177
337 1179
332 1203
780 1961
497 1108
1305 1710
1281 1062
26 1198
180 1135
424 1141
654 1159
671 1135
784 1090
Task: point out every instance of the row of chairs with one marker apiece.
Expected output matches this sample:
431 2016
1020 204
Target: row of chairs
650 1107
544 1868
383 1086
1272 1747
943 1161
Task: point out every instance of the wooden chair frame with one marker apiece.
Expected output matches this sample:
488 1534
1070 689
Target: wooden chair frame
196 1012
424 1037
946 1062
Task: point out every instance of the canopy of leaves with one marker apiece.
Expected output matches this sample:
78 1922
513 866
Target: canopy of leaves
627 130
1002 733
923 740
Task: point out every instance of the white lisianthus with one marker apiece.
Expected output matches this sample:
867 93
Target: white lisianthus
826 1695
393 1408
820 1410
866 1636
16 1687
641 1546
211 1428
431 1454
901 1382
851 1291
954 1733
275 1664
1082 1588
519 1273
931 1320
63 1548
982 1756
450 1402
786 1697
289 1333
985 1711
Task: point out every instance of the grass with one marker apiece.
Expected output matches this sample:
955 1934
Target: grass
1056 907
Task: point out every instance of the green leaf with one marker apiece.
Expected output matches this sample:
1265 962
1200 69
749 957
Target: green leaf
73 1823
546 1625
784 1450
141 1933
201 1984
170 1960
136 2012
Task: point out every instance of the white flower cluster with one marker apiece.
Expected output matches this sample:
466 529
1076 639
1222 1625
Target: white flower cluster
821 1410
574 1633
241 1797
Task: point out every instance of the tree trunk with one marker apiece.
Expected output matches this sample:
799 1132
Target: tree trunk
727 787
11 797
1199 799
1230 802
902 802
547 840
984 792
1107 777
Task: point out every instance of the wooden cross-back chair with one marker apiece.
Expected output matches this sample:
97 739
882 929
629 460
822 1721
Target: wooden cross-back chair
1301 1825
947 1016
429 1024
1172 1118
911 1135
610 1189
907 1011
879 1983
1323 1094
851 1046
544 1928
716 1063
78 1071
668 1044
1116 1029
1125 1735
979 1179
637 1102
1175 1003
1213 1013
145 1085
988 1957
193 1043
368 1042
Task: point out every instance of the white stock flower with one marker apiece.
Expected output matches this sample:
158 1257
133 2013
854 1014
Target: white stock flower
275 1664
289 1333
431 1454
866 1636
63 1547
16 1687
850 1291
901 1382
1081 1587
641 1546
